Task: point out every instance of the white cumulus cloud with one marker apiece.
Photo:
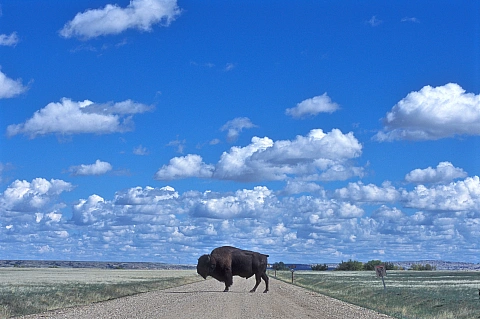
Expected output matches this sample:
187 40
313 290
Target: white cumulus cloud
9 40
359 192
71 117
183 167
89 211
317 156
145 196
297 187
26 196
234 164
387 214
140 150
98 168
311 107
235 127
244 203
9 87
112 19
444 172
433 113
463 195
148 223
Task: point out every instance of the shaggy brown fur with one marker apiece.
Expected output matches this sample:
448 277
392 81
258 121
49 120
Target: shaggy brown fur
225 262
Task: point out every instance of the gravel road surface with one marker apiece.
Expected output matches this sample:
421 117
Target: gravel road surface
206 299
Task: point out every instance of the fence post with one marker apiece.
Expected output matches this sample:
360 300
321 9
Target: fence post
292 269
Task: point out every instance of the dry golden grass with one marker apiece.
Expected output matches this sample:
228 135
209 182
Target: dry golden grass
409 294
34 290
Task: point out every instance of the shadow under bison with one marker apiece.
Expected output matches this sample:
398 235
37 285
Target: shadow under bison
225 262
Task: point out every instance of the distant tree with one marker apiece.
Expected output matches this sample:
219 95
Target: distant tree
320 267
280 266
350 265
422 267
370 265
415 267
391 266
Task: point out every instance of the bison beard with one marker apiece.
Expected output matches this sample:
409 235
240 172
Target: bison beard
225 262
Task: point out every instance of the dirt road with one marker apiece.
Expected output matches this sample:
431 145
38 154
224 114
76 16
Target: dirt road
206 300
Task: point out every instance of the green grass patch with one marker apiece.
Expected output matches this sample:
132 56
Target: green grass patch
409 294
34 290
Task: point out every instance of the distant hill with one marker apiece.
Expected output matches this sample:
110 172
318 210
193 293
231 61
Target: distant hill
306 266
90 264
439 264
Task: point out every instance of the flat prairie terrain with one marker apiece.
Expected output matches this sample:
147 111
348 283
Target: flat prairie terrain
408 294
206 299
32 290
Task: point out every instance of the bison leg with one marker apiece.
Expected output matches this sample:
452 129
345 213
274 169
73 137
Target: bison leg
257 282
228 279
265 278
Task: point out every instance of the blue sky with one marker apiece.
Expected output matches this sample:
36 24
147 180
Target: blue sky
313 131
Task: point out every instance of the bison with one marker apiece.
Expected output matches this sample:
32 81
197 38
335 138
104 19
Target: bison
225 262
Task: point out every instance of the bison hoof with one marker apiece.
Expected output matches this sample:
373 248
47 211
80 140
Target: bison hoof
253 290
265 291
226 290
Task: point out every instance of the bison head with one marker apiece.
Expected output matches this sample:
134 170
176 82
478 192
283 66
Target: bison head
205 266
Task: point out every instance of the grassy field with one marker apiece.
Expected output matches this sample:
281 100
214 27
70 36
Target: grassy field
409 294
33 290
